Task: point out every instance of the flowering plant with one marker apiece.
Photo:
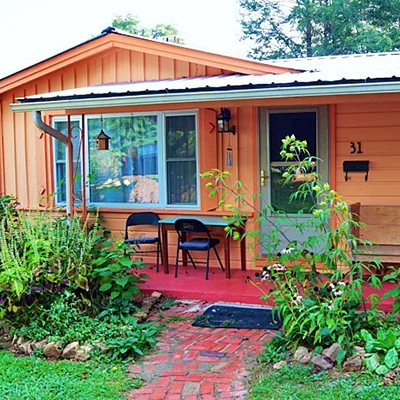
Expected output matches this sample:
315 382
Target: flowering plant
315 285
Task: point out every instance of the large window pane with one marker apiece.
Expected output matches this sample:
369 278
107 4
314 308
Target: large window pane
128 171
181 159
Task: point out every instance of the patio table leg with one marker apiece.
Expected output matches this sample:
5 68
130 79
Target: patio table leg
227 257
184 252
242 251
164 242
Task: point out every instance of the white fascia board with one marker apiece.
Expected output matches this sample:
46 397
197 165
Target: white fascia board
219 95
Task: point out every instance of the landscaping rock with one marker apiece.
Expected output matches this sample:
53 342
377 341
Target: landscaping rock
320 361
352 364
306 359
83 353
14 340
39 344
26 347
102 347
70 350
21 340
279 364
359 350
157 295
300 353
52 350
331 352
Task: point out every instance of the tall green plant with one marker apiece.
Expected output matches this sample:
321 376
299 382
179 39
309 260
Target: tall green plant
316 286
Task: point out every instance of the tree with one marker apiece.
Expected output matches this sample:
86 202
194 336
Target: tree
307 28
130 23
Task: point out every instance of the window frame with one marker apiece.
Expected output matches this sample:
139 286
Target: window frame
54 120
177 114
161 160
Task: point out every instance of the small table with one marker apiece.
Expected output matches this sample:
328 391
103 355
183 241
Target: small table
167 224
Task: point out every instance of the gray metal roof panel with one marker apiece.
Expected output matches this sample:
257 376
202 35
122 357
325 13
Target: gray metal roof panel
319 71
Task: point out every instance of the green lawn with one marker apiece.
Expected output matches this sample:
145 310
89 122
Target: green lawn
298 383
29 378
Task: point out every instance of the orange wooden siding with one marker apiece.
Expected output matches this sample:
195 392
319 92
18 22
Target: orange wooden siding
376 125
28 153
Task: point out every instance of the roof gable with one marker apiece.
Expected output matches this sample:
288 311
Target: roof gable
115 39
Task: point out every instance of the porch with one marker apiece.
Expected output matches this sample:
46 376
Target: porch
191 285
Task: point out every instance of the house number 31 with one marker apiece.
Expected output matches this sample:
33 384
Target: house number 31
355 147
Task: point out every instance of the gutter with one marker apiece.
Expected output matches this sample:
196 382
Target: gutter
224 94
37 119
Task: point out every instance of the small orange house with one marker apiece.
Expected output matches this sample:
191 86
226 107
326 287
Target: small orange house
158 102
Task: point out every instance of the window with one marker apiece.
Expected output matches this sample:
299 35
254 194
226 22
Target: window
151 161
60 159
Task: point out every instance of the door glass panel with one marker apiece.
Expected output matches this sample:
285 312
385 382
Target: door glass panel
303 126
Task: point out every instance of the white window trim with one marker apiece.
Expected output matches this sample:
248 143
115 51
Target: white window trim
54 120
162 175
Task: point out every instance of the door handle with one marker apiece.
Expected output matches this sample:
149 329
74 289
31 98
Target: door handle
262 175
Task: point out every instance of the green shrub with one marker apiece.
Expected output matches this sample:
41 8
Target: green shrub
63 280
317 307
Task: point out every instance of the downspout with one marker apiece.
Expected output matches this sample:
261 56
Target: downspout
37 119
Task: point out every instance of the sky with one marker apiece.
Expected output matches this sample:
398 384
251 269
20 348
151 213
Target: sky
33 30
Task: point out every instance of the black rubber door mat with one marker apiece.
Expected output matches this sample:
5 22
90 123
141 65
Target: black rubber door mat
240 317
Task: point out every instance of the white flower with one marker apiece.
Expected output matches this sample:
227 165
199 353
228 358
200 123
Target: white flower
332 286
337 293
342 283
288 250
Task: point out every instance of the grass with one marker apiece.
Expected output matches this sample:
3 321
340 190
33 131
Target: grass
299 383
29 378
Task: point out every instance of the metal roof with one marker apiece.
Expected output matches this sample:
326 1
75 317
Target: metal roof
368 68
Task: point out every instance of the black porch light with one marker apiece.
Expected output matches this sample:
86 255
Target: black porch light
102 139
223 119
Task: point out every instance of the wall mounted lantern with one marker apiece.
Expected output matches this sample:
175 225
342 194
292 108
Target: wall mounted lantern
223 119
102 139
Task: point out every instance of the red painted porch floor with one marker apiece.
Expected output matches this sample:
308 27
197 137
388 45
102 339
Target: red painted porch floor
191 285
194 363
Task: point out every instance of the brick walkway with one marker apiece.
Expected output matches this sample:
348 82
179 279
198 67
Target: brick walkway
193 363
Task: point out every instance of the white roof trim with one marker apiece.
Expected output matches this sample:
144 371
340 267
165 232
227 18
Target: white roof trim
221 95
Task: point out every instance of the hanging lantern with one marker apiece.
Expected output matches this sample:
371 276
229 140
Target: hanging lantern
102 139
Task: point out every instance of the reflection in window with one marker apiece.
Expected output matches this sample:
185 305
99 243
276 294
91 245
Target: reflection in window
60 160
181 159
128 171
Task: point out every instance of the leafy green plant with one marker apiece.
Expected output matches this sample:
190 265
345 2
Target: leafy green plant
382 350
315 284
275 350
8 206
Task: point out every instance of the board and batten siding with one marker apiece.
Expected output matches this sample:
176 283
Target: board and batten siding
376 125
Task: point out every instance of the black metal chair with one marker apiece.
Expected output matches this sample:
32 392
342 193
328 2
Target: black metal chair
189 225
145 218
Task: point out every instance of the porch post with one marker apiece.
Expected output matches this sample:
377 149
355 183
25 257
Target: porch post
70 176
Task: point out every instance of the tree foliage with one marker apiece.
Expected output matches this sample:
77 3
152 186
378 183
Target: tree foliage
307 28
131 24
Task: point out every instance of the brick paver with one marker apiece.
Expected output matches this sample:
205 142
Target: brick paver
194 363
